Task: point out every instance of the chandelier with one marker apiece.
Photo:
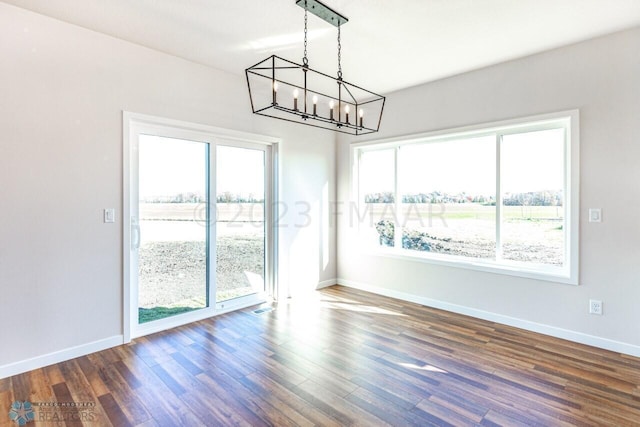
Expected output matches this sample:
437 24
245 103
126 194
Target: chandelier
285 90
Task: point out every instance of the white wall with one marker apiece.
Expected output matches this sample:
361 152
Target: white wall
601 78
62 92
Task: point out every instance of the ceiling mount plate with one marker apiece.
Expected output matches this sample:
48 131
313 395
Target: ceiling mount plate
323 11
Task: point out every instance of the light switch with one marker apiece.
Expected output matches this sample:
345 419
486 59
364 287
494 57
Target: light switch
595 215
109 215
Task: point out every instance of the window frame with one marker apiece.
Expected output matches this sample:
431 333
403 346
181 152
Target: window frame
569 120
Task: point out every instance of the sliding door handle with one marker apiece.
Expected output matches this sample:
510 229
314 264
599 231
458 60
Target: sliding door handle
135 236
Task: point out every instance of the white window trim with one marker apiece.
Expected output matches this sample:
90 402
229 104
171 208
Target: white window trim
567 275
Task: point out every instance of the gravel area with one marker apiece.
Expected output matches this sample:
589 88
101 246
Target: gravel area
541 253
538 241
173 273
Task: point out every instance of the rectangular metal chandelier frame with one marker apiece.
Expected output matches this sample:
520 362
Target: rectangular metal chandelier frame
337 119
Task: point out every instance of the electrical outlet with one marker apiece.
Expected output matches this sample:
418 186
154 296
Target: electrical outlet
595 306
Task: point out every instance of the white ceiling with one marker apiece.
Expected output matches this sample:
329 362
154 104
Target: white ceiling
387 45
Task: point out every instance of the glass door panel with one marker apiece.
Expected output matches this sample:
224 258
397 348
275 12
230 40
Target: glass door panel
173 220
240 222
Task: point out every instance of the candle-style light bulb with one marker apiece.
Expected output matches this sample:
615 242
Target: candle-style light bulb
331 105
361 115
295 99
315 105
275 92
346 111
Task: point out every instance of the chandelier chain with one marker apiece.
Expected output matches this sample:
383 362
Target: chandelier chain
339 55
305 60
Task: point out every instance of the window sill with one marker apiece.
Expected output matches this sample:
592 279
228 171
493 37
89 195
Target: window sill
536 272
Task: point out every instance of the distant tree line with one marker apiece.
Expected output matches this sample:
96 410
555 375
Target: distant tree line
534 198
176 198
226 197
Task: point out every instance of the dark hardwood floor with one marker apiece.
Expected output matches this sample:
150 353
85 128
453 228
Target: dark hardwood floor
343 357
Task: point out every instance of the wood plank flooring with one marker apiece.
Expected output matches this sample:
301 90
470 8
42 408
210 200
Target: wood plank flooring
342 357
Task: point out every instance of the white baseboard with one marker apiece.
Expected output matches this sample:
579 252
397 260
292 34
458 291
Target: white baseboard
579 337
326 283
58 356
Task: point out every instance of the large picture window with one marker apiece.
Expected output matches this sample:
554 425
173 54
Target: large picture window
500 197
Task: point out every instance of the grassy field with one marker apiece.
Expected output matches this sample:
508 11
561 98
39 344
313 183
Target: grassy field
448 211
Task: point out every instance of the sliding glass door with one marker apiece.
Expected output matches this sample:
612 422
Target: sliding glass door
172 255
198 226
240 222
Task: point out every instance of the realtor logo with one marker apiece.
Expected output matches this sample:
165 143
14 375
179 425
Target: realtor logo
21 412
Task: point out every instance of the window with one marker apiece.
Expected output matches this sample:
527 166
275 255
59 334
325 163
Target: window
500 197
